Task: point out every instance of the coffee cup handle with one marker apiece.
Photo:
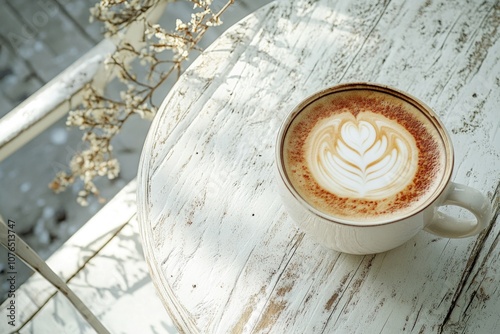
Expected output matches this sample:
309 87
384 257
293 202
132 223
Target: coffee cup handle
468 198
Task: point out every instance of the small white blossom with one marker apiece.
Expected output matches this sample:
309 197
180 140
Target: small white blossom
179 25
102 117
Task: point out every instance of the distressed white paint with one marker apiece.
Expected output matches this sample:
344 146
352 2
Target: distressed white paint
223 253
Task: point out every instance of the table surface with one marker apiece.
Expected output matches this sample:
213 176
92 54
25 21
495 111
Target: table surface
224 255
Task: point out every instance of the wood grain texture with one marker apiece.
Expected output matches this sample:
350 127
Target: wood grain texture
224 255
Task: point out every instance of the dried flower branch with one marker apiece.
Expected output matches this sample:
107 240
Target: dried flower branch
100 117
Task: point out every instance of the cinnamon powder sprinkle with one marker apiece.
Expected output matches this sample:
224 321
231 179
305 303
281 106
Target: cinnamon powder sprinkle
428 142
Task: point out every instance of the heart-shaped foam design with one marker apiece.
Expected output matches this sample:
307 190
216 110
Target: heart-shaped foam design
367 156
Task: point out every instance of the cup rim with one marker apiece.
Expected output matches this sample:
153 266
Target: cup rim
421 106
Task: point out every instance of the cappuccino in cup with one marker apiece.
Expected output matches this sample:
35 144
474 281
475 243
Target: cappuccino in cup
364 155
363 167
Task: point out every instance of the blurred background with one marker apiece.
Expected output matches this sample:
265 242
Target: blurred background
38 40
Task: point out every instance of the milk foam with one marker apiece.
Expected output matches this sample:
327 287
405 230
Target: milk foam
366 156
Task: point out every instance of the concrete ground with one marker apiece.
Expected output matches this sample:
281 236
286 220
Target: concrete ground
39 39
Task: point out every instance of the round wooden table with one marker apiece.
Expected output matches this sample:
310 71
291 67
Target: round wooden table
223 253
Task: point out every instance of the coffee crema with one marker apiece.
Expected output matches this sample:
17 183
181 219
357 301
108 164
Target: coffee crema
363 155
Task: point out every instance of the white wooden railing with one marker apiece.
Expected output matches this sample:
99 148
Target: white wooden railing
55 99
44 108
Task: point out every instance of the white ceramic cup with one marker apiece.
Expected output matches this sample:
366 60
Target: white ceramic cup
356 237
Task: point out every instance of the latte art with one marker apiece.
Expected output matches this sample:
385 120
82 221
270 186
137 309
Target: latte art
364 156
